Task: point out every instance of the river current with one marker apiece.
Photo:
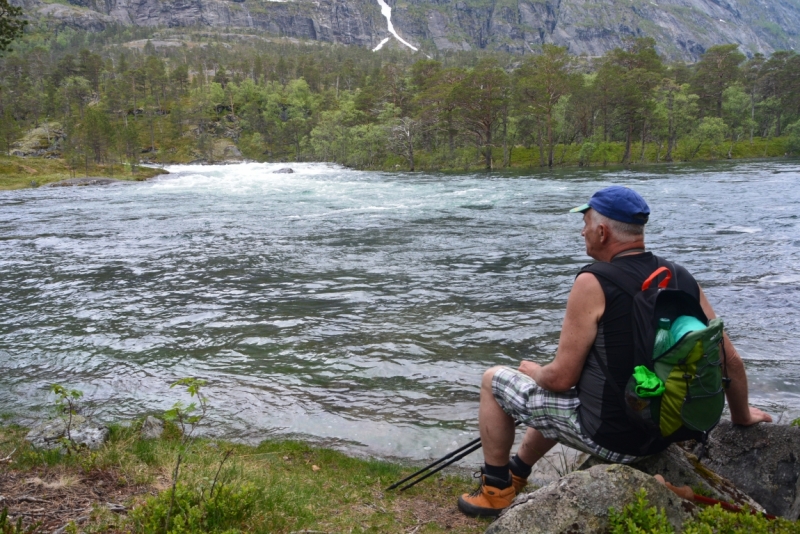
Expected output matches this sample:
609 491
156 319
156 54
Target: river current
359 309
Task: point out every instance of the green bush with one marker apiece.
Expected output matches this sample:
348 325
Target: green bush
228 509
641 518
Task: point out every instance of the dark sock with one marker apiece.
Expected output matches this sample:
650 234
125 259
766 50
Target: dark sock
520 468
501 478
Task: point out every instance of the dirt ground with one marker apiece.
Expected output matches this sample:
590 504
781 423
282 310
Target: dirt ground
52 497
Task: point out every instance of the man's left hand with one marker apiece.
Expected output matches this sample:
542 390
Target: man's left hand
756 416
529 368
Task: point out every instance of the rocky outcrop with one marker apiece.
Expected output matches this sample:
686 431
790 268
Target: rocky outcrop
77 429
579 502
762 460
45 140
683 29
684 469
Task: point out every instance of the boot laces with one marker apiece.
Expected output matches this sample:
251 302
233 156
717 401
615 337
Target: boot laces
479 489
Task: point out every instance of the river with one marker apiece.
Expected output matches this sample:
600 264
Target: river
359 309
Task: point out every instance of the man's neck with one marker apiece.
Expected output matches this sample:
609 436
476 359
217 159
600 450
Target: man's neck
629 252
619 250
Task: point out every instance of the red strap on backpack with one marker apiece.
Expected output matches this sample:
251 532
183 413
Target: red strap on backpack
662 284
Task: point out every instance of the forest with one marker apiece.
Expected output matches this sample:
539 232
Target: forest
129 95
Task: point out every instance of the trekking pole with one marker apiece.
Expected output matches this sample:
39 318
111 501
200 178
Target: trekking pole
475 441
433 472
465 450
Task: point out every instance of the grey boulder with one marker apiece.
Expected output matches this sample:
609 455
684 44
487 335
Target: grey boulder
681 468
78 429
579 502
285 170
152 428
762 460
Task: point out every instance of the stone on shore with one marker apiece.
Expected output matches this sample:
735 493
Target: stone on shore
681 468
152 428
82 431
762 460
579 502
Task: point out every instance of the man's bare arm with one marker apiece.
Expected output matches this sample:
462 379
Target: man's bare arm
585 306
741 411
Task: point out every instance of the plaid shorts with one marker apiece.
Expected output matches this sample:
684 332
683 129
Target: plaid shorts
553 414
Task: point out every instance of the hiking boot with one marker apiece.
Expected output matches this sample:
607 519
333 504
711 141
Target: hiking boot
518 483
489 499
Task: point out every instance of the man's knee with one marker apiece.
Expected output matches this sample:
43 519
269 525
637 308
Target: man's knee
488 376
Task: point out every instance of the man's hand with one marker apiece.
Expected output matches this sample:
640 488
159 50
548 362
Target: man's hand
529 368
756 416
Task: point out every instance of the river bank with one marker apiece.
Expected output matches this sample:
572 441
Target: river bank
21 173
277 486
24 172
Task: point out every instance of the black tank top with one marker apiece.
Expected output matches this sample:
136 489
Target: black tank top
601 412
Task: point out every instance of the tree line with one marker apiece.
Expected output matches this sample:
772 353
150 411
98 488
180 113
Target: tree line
127 94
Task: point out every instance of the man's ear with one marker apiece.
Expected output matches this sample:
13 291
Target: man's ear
602 229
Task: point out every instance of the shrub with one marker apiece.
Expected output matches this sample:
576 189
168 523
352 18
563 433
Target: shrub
641 518
229 508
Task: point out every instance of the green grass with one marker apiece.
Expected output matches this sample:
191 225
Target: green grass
276 486
21 173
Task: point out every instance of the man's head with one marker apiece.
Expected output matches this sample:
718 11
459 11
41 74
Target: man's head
614 220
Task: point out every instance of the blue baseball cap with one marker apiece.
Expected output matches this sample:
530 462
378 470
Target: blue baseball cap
619 203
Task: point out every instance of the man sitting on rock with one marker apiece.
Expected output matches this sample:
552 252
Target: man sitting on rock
570 400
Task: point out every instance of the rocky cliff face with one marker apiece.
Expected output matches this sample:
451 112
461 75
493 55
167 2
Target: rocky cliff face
684 29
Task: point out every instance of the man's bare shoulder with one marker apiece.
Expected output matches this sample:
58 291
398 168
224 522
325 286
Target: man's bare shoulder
587 296
587 282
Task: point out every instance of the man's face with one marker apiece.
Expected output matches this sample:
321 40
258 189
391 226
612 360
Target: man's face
590 233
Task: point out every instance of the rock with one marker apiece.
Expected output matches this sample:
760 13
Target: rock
77 182
579 502
41 141
232 152
82 431
763 460
285 170
152 428
681 468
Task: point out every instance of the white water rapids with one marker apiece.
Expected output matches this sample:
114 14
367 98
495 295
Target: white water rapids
386 11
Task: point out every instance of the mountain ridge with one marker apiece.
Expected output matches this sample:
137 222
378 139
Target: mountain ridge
683 29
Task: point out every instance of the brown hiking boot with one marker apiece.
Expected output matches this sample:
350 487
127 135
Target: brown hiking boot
488 500
518 483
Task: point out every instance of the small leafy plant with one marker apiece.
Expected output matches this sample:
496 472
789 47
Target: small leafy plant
7 527
639 518
188 510
67 403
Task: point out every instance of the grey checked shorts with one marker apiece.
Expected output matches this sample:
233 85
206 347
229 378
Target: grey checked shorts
553 414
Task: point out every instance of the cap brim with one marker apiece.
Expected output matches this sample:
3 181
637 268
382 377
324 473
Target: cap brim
580 209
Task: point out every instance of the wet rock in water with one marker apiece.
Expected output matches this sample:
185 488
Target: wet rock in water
681 468
579 502
85 181
152 428
763 460
82 431
285 170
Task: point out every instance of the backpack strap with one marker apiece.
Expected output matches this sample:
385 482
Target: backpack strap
617 276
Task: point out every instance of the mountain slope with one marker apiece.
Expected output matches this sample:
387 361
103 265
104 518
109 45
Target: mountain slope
682 28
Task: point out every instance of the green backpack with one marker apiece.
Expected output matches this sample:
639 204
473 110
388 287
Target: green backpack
678 394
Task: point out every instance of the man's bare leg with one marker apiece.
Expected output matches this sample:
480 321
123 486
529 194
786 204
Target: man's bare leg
534 446
497 436
497 427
